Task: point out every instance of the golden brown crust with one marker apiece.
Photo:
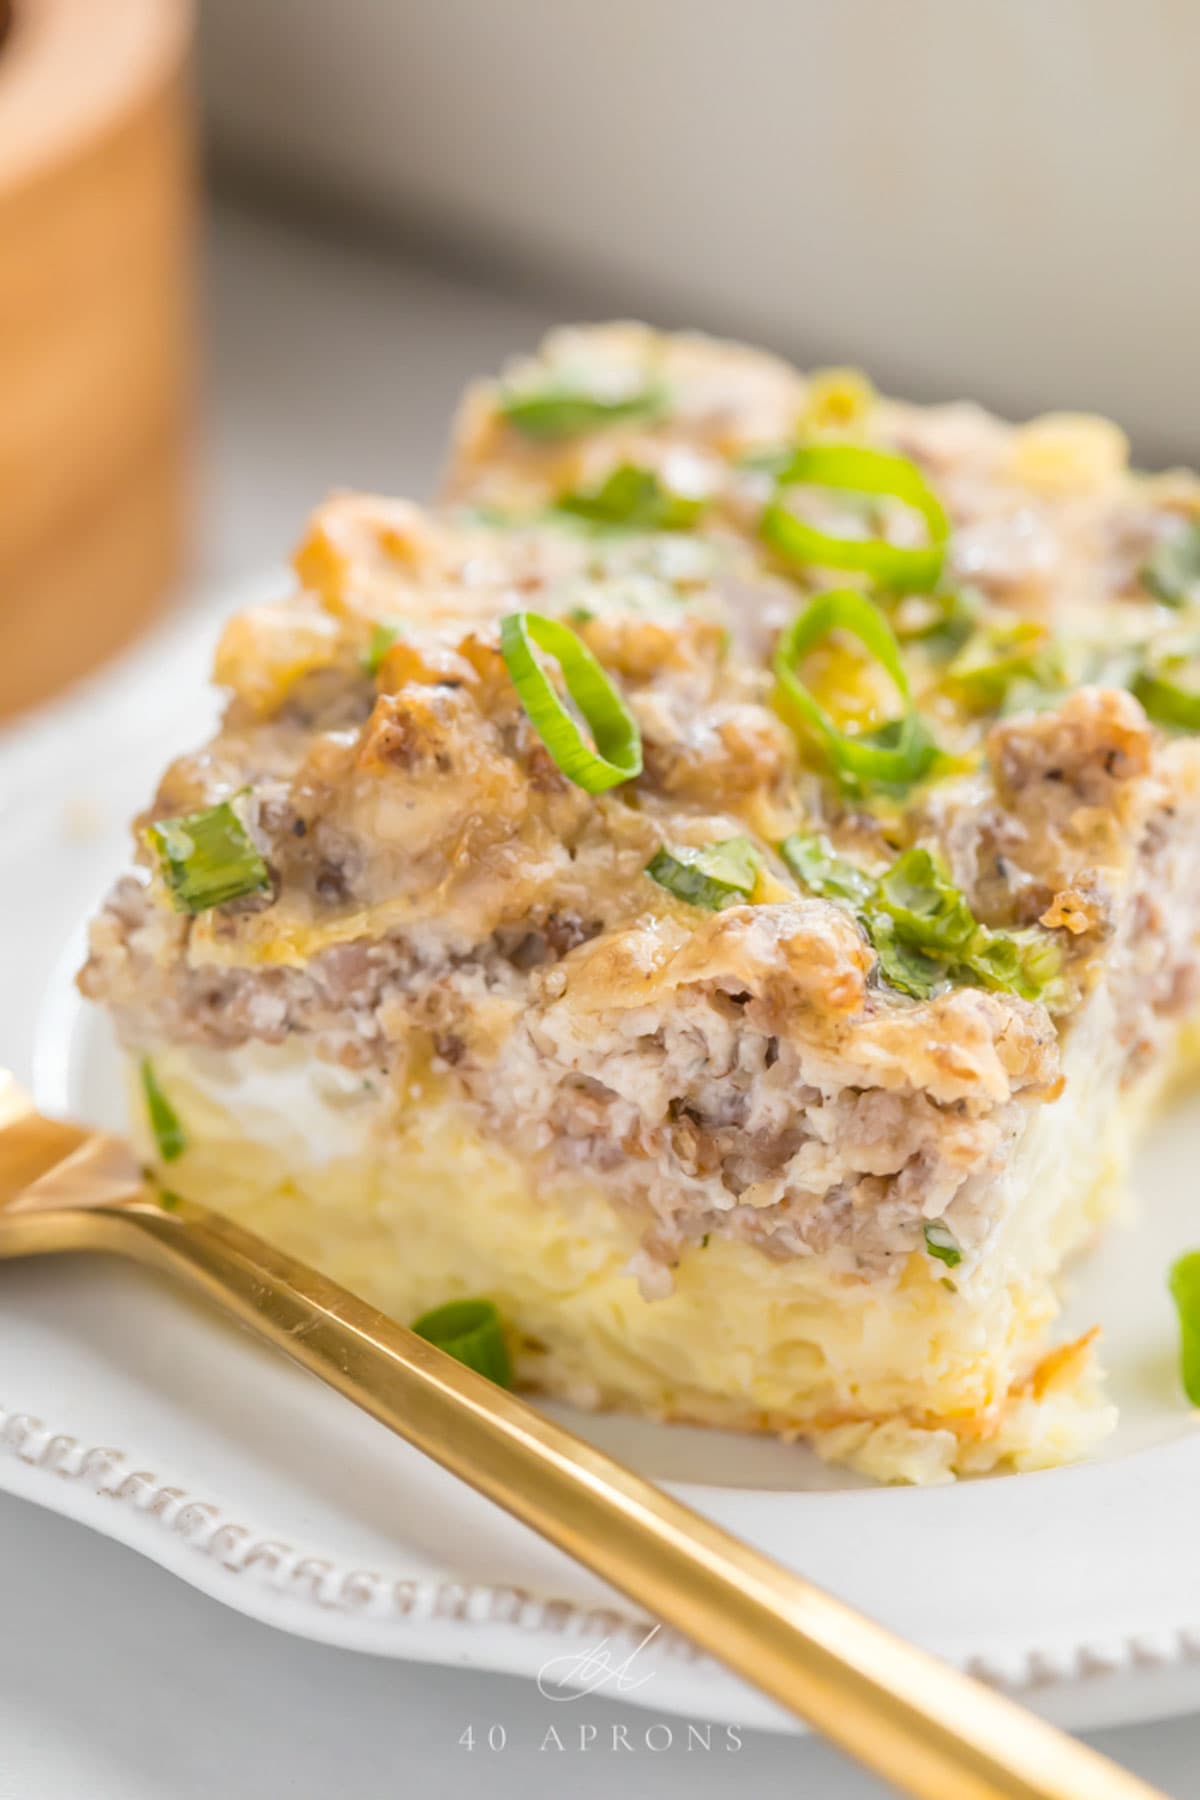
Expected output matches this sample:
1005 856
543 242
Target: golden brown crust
438 882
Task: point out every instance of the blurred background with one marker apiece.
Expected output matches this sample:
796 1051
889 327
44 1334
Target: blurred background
989 197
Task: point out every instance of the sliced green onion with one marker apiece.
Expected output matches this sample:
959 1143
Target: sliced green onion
164 1121
904 966
814 862
902 751
471 1331
566 409
999 660
929 911
1169 689
1028 963
617 755
636 499
712 877
922 929
941 1242
906 570
1173 572
931 915
206 858
381 640
942 622
1184 1283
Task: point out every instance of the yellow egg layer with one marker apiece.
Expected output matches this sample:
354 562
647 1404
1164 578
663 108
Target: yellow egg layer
406 1204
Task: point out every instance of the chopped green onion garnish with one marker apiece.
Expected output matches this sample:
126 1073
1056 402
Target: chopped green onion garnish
1000 660
814 862
1173 572
381 640
565 409
207 858
922 929
635 499
1026 962
929 911
905 570
1169 689
904 966
717 875
471 1332
1184 1282
942 622
941 1242
930 914
899 753
164 1122
617 755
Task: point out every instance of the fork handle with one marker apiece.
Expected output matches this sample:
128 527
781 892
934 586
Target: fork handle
920 1725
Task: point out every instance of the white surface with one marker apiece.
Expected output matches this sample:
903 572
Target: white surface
989 199
303 1720
155 1693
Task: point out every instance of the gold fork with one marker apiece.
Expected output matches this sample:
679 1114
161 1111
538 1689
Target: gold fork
915 1722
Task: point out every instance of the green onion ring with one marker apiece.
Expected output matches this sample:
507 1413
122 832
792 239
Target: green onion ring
905 570
913 752
471 1332
617 755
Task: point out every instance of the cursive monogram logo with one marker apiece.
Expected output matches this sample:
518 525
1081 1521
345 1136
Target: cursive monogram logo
589 1671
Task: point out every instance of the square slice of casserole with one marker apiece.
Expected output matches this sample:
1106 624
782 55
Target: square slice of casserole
765 1067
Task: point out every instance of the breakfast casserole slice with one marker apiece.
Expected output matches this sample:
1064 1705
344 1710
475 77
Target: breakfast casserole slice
723 888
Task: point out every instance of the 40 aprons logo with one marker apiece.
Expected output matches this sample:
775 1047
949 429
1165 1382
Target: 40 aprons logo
597 1669
573 1677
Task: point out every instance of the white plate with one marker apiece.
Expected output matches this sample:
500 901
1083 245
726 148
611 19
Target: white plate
132 1410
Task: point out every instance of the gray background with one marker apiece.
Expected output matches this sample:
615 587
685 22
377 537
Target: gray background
991 198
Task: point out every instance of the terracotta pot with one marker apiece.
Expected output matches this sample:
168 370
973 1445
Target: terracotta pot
96 209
